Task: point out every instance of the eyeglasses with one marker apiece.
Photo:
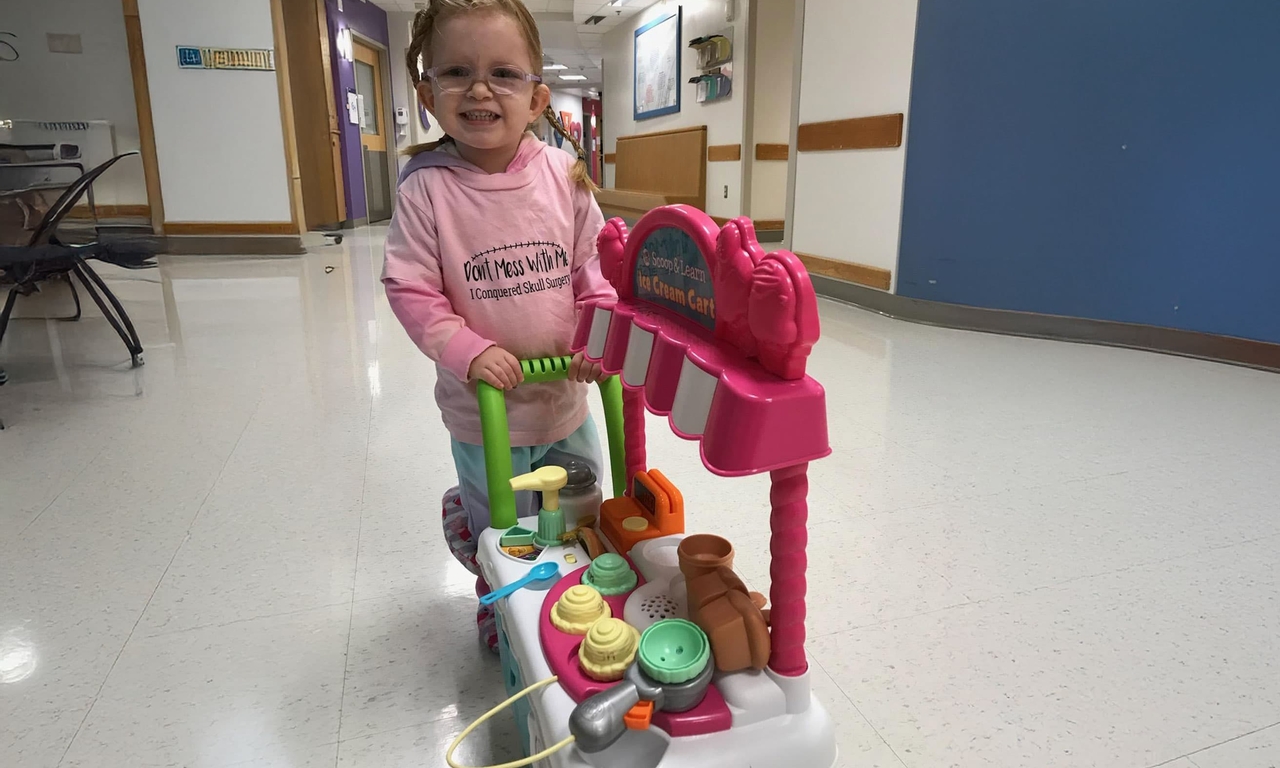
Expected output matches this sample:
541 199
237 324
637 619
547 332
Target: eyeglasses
503 81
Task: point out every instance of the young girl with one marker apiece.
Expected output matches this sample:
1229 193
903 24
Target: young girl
491 252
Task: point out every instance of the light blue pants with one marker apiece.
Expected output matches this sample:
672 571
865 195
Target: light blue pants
582 445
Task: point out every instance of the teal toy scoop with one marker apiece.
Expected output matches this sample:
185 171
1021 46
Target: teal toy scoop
541 576
674 651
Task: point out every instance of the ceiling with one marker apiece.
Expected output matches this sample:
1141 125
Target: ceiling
566 37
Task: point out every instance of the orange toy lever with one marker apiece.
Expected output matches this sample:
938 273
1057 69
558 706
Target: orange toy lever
639 716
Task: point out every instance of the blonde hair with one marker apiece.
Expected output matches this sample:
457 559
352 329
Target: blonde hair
437 11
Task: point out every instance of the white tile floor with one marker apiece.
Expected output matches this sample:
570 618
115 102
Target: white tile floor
1024 553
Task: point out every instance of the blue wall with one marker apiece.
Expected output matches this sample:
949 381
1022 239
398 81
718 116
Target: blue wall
1110 159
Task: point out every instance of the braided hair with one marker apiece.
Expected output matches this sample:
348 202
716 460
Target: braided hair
418 58
580 173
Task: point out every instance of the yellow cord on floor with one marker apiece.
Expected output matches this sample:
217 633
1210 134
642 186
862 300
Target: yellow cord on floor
448 756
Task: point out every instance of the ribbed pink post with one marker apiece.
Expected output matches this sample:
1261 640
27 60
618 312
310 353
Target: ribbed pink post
633 418
788 519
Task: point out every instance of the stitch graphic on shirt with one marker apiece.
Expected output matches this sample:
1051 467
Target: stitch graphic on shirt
517 269
531 244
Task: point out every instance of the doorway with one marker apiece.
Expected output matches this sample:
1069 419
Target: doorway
768 156
374 129
592 112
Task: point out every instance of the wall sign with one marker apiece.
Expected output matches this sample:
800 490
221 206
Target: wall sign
68 42
672 273
353 106
192 57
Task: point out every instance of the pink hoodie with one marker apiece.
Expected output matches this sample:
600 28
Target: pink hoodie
476 259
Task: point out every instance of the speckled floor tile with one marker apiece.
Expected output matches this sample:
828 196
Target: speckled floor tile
1132 668
214 697
424 745
1260 749
415 659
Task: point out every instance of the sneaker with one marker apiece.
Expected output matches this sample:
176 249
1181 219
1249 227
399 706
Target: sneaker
462 545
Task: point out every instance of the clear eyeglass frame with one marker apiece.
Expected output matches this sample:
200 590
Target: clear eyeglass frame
458 79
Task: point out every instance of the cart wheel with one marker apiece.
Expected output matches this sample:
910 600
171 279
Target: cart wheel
337 239
138 362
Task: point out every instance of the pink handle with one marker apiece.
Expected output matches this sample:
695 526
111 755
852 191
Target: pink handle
787 548
633 419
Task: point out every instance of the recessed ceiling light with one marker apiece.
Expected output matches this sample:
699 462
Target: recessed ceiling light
616 3
554 67
573 78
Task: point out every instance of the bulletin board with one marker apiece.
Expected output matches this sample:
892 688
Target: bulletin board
657 66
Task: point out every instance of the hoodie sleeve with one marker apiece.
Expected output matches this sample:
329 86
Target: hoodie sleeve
588 282
414 284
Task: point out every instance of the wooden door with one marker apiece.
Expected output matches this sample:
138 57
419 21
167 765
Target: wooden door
314 115
374 129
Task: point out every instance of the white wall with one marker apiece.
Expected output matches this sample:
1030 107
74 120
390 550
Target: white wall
93 85
219 138
856 63
403 94
566 102
773 70
724 118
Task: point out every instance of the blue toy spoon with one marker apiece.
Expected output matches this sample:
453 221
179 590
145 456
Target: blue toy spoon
542 572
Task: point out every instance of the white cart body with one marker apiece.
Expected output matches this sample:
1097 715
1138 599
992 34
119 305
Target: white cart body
777 722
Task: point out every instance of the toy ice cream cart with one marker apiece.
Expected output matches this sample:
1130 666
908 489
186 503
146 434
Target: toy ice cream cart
626 643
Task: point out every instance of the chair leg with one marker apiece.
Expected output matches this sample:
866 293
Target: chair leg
4 325
119 319
75 296
102 286
8 310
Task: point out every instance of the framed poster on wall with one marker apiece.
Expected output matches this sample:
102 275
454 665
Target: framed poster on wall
657 66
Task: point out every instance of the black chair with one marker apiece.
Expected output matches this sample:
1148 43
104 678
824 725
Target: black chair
45 257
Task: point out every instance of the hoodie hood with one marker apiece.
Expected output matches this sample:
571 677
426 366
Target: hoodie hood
446 156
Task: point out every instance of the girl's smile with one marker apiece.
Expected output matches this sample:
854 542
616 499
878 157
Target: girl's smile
480 116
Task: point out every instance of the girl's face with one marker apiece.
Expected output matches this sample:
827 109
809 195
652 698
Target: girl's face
481 43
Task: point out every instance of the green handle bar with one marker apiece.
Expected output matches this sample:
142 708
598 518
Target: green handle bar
497 437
